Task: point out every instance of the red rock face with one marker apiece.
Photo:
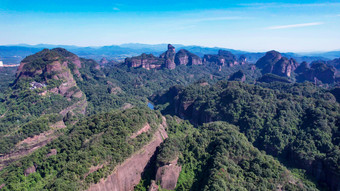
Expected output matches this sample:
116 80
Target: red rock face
153 186
183 60
103 61
127 175
55 66
168 175
30 170
169 57
284 67
223 58
274 63
184 57
267 62
75 59
147 61
52 152
20 68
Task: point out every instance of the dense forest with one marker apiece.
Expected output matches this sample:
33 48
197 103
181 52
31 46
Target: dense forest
68 123
298 123
216 156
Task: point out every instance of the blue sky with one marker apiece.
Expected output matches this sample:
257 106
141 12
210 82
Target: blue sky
298 26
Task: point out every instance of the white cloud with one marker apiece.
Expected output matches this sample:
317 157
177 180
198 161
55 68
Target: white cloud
115 8
294 26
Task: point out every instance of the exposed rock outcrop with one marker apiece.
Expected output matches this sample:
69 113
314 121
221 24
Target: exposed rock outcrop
153 186
169 57
273 62
58 69
285 67
318 71
224 58
184 57
238 76
52 65
147 61
30 170
167 175
335 63
31 144
103 61
52 152
128 174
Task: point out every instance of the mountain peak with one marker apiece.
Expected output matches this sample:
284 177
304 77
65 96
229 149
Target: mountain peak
170 47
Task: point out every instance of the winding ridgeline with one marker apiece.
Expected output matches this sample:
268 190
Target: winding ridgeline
220 123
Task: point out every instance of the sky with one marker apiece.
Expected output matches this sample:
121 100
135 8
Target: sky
296 26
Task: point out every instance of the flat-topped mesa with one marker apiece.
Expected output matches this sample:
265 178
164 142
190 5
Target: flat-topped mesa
273 62
147 61
169 59
224 58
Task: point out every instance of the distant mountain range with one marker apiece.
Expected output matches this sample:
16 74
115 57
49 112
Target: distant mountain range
13 54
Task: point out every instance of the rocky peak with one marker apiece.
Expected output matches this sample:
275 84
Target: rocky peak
284 67
184 57
171 48
267 62
169 57
335 63
223 58
319 71
103 61
242 59
227 55
68 55
274 62
147 61
303 67
323 72
51 67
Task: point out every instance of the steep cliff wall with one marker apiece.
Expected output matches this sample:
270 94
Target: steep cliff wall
127 175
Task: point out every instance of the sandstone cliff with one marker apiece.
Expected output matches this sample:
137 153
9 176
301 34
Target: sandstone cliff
147 61
184 57
167 175
127 175
274 63
224 58
103 61
318 71
169 59
54 71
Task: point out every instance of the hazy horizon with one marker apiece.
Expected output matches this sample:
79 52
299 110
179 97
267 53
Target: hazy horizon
165 47
292 26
